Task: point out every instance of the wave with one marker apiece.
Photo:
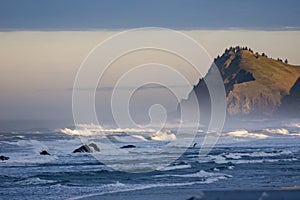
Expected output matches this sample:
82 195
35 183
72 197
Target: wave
25 159
130 138
82 132
294 124
208 177
264 160
261 134
239 158
175 167
119 187
166 135
34 181
28 151
93 130
245 134
37 145
257 154
277 131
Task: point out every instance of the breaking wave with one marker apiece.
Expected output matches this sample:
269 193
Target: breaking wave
82 132
91 129
294 124
246 134
208 177
134 187
163 136
277 131
261 134
250 157
34 181
175 167
134 134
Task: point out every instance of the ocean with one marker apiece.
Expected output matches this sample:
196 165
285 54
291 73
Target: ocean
263 158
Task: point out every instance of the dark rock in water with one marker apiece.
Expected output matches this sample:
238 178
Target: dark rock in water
197 197
82 149
128 146
95 147
87 148
4 157
44 152
193 198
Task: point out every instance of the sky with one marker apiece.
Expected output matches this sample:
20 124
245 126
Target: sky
176 14
43 43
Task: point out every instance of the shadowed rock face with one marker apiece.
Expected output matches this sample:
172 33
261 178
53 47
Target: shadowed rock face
82 149
290 105
87 148
255 85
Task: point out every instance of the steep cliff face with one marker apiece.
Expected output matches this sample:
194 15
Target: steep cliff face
290 104
254 84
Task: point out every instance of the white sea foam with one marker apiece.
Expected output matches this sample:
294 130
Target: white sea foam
230 167
277 131
263 160
34 181
163 136
204 174
169 168
237 158
31 159
139 137
245 134
294 124
96 128
219 159
37 145
93 130
28 152
81 132
209 176
216 169
130 138
256 154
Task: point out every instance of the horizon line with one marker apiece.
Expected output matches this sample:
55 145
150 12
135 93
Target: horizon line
270 29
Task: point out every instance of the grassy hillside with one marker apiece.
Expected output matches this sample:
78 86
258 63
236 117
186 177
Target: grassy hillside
255 84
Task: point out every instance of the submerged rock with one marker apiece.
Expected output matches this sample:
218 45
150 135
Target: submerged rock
128 146
4 157
44 152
